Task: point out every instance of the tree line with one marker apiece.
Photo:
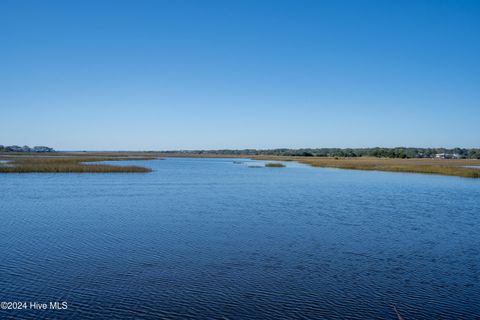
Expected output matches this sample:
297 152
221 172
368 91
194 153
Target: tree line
400 152
25 149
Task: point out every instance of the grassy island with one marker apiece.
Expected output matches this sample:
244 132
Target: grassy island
67 163
274 165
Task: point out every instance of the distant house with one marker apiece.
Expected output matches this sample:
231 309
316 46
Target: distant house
25 149
447 156
42 149
15 149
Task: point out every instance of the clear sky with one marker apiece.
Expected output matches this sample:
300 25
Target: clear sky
156 75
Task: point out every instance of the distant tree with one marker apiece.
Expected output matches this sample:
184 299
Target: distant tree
399 152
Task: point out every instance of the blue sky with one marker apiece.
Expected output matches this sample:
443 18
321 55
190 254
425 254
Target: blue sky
155 75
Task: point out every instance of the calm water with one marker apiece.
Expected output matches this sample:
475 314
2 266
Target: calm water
211 239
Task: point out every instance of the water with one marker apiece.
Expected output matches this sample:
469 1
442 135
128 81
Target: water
212 239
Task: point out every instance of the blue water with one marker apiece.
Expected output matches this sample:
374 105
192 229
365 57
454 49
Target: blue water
214 239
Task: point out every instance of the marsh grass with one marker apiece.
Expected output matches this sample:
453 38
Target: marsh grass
274 165
74 162
425 166
70 164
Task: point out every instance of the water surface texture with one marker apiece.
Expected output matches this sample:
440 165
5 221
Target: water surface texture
215 239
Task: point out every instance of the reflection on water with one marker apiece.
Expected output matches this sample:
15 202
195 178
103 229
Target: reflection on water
211 239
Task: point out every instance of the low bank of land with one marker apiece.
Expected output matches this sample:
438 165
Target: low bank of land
85 162
425 166
66 163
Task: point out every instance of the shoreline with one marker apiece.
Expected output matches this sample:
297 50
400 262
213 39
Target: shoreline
64 162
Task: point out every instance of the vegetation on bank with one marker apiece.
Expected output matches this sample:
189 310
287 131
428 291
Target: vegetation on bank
400 152
71 164
425 166
450 167
75 162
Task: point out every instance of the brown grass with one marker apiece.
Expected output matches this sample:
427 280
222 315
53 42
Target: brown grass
426 166
67 164
72 162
